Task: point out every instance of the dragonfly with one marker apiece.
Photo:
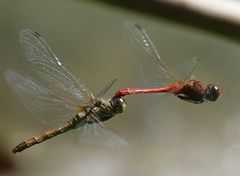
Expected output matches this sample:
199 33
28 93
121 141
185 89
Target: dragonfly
60 100
158 77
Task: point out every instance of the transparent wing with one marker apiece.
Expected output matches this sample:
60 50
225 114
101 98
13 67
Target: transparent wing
51 68
105 90
98 134
150 66
39 100
187 67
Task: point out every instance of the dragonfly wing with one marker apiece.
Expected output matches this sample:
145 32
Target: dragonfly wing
105 89
151 67
51 68
39 100
187 67
96 134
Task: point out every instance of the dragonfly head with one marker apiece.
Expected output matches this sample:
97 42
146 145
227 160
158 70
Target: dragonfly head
118 104
212 92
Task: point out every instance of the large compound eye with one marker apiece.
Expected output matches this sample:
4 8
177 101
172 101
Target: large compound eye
212 92
118 104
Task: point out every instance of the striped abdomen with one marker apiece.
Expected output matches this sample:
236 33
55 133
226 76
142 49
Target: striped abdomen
46 135
101 111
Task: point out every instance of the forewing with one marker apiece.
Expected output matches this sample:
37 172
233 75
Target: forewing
39 100
51 68
150 66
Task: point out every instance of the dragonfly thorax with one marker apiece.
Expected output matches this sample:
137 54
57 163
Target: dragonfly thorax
103 110
192 91
196 91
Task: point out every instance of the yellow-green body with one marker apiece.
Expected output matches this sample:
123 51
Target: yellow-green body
101 111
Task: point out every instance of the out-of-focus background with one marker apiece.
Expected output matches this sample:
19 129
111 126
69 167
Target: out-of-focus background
167 136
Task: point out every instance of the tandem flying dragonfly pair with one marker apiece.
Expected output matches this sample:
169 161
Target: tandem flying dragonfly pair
62 101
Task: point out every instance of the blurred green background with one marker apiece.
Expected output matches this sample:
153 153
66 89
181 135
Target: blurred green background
168 136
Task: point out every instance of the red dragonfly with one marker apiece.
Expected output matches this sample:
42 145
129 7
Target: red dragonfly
158 76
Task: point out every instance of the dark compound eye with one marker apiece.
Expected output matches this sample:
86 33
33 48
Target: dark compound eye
212 92
118 104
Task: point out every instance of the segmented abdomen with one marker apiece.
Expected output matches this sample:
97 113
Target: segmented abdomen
42 137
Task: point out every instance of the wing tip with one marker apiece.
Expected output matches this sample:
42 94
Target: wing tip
26 31
8 74
127 24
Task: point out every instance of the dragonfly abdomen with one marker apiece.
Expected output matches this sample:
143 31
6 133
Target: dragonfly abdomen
129 91
43 136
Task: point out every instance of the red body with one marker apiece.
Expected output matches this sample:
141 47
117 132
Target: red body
190 90
173 88
153 69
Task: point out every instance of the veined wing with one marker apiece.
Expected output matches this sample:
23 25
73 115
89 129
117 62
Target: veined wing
97 134
105 90
151 67
39 100
187 67
51 68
